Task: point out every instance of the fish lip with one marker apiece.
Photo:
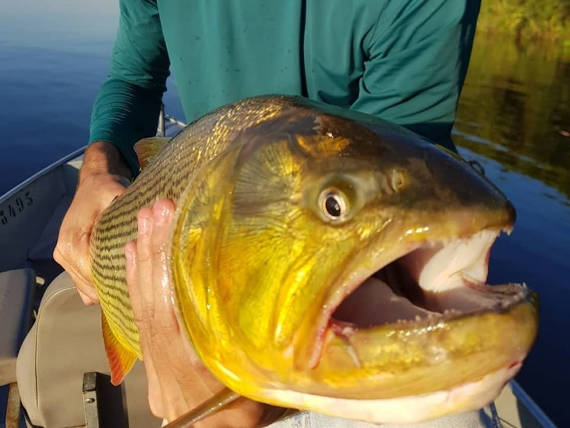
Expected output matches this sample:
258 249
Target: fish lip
408 409
514 293
336 299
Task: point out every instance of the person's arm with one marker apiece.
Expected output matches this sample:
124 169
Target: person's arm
418 54
126 110
127 106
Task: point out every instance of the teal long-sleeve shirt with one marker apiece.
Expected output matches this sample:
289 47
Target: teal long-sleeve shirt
403 61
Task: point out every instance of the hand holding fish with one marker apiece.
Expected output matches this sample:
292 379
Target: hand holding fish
103 177
320 259
177 379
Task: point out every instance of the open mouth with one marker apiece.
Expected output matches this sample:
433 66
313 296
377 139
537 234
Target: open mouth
435 280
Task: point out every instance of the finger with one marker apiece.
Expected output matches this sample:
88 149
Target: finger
131 277
77 252
154 389
166 334
81 271
67 257
86 291
73 255
144 264
87 300
162 212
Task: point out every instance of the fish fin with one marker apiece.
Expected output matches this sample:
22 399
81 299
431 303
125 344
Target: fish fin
120 359
147 148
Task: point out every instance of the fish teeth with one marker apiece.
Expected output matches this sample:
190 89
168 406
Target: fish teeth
351 351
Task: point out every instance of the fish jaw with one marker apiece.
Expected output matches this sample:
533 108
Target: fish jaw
407 371
454 361
436 353
442 329
440 259
411 409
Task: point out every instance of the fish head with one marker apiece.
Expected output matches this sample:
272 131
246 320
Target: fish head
340 265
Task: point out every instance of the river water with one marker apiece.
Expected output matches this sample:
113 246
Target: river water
514 118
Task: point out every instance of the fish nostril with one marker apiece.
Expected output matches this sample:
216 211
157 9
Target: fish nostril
397 180
477 166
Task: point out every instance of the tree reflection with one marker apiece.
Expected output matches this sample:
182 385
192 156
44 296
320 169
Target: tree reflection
515 108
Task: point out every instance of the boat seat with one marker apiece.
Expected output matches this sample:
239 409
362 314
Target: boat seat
64 343
16 294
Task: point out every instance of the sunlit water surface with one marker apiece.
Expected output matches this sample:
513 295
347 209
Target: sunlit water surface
513 118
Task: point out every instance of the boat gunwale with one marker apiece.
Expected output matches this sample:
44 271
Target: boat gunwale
62 161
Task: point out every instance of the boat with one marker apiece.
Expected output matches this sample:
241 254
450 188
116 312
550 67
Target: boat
62 382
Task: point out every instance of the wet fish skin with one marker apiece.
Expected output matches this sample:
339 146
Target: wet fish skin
167 176
258 265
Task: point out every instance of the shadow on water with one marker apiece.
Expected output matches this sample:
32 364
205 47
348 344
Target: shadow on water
514 118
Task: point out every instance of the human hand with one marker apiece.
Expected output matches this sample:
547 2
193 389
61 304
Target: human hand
177 379
102 178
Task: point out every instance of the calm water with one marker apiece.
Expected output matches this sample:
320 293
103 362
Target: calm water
514 118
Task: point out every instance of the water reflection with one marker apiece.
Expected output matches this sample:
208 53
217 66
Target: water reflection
515 108
513 119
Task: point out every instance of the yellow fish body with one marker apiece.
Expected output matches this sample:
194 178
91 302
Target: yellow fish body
325 260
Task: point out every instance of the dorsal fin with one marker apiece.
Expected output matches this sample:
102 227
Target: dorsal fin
147 148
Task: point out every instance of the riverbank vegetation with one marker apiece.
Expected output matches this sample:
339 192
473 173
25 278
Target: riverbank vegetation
527 20
514 108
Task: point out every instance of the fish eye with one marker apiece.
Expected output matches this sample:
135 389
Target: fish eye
334 204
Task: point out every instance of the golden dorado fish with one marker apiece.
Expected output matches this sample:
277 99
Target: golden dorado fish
323 259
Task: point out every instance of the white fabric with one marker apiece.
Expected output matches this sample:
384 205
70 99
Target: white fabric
480 419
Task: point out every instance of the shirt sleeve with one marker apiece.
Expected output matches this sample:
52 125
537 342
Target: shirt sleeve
418 55
127 106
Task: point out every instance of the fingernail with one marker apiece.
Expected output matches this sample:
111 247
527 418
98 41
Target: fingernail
144 224
164 210
161 213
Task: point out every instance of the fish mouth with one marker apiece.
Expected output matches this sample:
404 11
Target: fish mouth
435 280
426 284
